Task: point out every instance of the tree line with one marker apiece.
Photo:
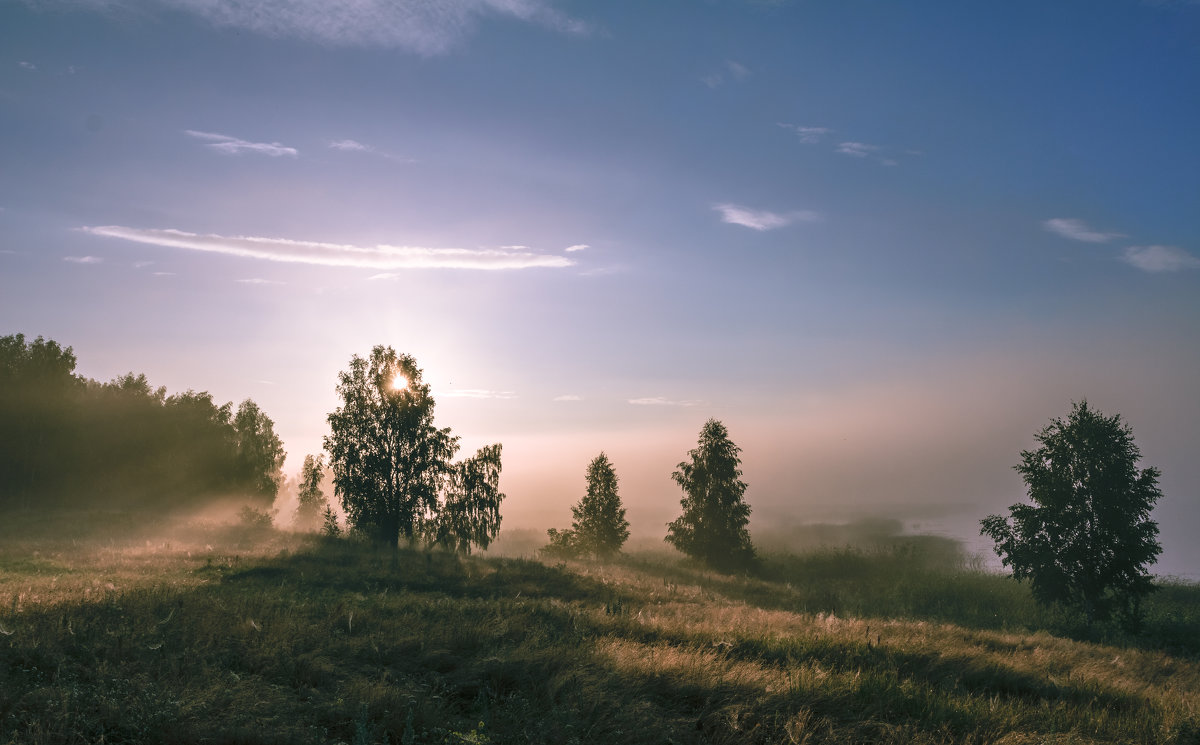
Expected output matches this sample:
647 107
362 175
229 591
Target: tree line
1086 541
70 441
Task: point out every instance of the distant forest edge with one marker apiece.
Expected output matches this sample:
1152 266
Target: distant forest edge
69 441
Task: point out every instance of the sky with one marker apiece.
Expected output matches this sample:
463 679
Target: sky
884 243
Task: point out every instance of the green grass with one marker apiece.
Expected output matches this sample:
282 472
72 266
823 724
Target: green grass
219 635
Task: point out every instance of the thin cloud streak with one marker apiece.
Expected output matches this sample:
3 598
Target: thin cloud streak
567 397
1077 230
477 393
660 401
857 149
418 26
83 259
383 257
1158 259
577 247
808 135
227 145
762 219
354 146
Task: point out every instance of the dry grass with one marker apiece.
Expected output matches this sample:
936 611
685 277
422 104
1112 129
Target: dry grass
212 634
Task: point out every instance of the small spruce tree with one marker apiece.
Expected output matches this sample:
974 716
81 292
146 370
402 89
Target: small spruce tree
712 527
312 498
330 528
600 527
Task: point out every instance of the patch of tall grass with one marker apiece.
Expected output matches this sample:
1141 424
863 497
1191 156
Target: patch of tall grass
228 635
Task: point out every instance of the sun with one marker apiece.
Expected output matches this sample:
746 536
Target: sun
400 382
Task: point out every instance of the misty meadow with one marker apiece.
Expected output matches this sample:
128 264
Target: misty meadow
428 372
394 609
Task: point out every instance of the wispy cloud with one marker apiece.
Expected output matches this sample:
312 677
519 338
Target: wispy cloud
477 393
660 401
349 145
577 247
1077 230
354 146
384 257
1156 259
568 397
233 146
259 281
83 259
857 149
734 70
807 135
817 135
27 65
762 219
418 26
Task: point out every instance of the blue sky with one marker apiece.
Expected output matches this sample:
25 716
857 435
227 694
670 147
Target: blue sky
885 243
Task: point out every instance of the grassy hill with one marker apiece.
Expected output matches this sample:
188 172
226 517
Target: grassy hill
202 633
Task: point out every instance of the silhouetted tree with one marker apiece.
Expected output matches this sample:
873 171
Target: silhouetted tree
599 527
69 441
329 524
562 545
37 398
392 467
1087 539
712 527
470 508
312 499
259 452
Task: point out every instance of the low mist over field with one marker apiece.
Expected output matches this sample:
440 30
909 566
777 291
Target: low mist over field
884 246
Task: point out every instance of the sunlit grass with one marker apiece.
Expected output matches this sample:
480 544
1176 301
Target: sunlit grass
189 634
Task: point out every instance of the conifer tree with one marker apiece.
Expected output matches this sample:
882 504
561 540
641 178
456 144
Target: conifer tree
312 498
600 526
712 527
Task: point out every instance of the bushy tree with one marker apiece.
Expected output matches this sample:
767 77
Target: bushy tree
312 501
599 527
392 468
713 526
69 441
259 452
37 398
470 510
1087 538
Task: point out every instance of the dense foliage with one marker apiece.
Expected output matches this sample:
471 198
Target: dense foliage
599 528
1087 539
392 468
67 440
713 526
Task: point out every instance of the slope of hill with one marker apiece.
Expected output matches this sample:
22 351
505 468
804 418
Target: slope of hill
219 634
